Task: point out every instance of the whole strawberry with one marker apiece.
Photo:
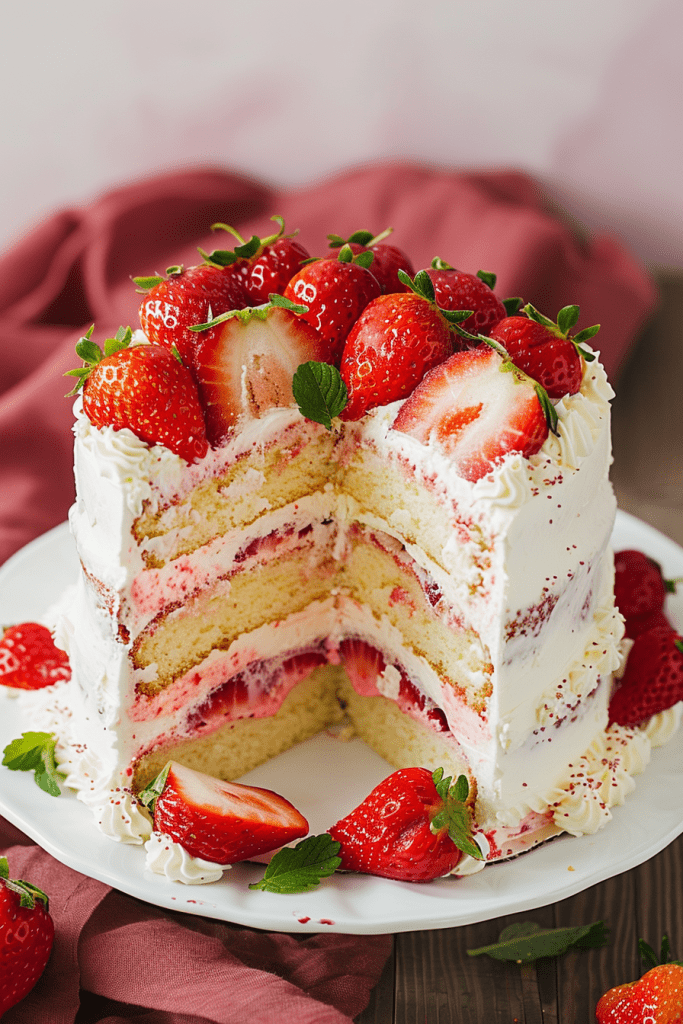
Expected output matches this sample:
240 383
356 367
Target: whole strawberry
26 936
263 266
545 349
454 289
336 291
653 679
656 998
29 659
396 340
640 591
186 297
413 827
388 259
144 388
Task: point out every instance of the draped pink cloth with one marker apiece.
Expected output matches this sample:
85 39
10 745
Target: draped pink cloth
138 962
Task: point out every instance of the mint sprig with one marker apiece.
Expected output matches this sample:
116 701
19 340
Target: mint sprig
319 391
302 868
455 815
527 941
35 752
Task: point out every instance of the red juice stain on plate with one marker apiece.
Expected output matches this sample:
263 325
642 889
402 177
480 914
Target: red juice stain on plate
325 920
303 920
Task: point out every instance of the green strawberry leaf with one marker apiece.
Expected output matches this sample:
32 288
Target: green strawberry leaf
149 795
527 941
455 815
488 278
319 392
251 312
301 869
567 317
27 892
512 305
145 284
35 752
439 264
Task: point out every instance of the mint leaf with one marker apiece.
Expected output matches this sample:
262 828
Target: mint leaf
35 752
527 941
319 392
302 868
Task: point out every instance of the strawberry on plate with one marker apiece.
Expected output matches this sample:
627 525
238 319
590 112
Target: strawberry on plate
336 291
477 408
640 591
545 349
455 289
262 265
395 341
388 259
413 827
245 362
26 937
656 998
144 388
183 298
221 822
29 659
653 678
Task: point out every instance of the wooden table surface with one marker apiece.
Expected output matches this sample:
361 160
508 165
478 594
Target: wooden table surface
430 979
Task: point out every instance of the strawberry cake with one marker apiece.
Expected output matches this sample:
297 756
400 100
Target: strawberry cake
371 498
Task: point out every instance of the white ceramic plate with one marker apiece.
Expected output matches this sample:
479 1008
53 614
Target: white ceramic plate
326 779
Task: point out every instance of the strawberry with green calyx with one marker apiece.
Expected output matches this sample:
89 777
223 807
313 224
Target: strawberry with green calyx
142 388
413 827
336 291
26 937
185 297
388 259
35 752
656 998
29 659
455 290
263 265
653 678
545 349
396 340
221 822
245 361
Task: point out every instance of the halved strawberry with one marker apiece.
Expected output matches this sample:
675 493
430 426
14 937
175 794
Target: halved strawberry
413 827
29 659
388 259
336 291
222 822
245 364
477 408
455 289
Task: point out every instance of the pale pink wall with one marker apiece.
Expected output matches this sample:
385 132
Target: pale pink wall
585 94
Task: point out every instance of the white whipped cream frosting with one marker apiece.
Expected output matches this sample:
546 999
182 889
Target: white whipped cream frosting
168 858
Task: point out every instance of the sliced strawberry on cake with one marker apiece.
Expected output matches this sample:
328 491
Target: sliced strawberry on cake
392 345
545 349
335 292
245 362
413 827
388 259
455 289
29 659
477 408
142 388
220 822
